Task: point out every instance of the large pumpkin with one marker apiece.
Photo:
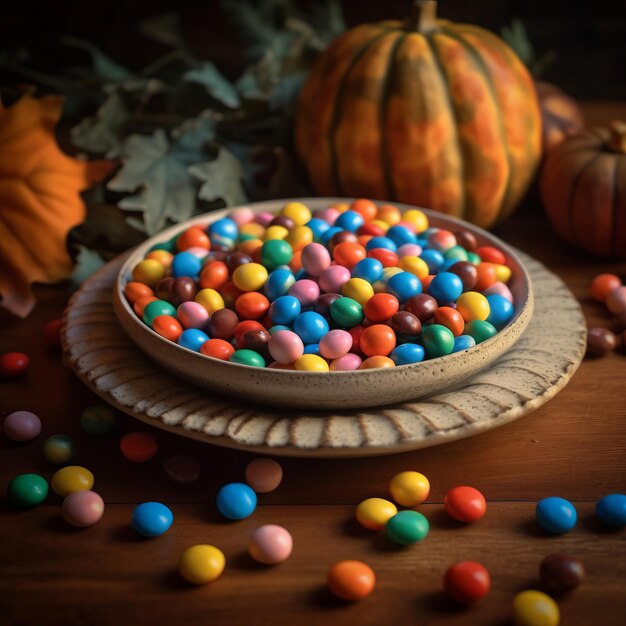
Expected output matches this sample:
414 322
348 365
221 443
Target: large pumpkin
583 187
426 112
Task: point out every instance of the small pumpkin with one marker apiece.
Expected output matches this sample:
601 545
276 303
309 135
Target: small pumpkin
561 115
427 112
583 188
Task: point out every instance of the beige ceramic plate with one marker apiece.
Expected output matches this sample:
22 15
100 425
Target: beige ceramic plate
325 390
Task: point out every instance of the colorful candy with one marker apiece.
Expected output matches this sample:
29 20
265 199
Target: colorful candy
82 508
182 469
201 564
22 426
562 572
58 449
602 285
139 446
407 527
13 364
270 544
351 580
27 490
71 479
236 501
152 519
374 513
556 515
98 419
535 608
600 341
611 510
467 582
409 488
264 475
465 504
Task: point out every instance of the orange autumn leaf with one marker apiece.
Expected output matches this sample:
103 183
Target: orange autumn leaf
39 199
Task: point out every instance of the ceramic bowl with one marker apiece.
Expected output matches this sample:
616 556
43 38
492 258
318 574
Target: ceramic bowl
325 390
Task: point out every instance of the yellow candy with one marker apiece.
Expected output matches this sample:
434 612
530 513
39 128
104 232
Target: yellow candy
297 212
342 207
71 479
210 299
149 272
503 272
374 513
162 256
250 277
201 564
388 272
311 363
473 306
415 265
252 228
299 237
409 488
417 218
381 224
275 232
358 289
389 214
534 608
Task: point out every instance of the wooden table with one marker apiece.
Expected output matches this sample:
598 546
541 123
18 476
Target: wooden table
572 447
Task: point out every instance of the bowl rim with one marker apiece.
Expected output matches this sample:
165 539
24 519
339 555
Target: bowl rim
258 207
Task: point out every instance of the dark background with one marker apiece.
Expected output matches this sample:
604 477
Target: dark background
588 37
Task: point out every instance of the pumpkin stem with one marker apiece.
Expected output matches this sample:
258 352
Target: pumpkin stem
423 17
617 141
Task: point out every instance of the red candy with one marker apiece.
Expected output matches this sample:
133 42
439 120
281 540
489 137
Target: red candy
381 307
450 318
52 333
218 349
466 582
465 504
139 446
602 285
13 364
167 326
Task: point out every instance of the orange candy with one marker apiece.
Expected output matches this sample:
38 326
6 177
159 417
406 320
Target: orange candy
351 580
162 256
252 305
167 326
142 303
348 253
135 291
491 255
375 362
365 208
451 319
602 285
214 275
389 214
381 307
426 282
193 237
217 348
377 340
295 265
485 276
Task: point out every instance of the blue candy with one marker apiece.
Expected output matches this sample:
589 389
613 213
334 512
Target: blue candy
284 310
350 220
318 227
310 327
312 348
433 258
445 287
192 339
278 283
186 264
556 515
327 235
152 519
404 285
368 269
381 242
236 501
463 342
612 510
224 228
407 353
401 235
501 310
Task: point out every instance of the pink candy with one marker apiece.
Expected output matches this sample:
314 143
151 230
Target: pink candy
270 544
333 278
335 344
315 259
305 290
82 508
192 315
346 363
285 346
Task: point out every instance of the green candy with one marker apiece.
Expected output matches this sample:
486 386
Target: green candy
480 330
247 357
58 449
169 246
98 419
473 258
407 527
275 253
346 312
437 340
456 252
28 490
156 308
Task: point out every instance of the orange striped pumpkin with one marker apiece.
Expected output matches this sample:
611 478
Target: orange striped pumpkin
427 112
583 188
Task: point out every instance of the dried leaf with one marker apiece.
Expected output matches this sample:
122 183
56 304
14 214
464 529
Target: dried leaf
517 37
39 199
88 263
221 179
207 75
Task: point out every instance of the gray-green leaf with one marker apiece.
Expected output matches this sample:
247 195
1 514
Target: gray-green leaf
221 179
207 75
517 37
88 262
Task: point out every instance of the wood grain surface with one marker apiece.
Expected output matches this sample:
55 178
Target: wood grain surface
574 446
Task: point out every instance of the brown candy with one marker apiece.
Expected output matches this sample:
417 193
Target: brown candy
182 469
256 340
466 239
163 289
323 302
236 259
340 237
562 572
405 325
283 220
467 272
183 290
600 341
422 306
222 324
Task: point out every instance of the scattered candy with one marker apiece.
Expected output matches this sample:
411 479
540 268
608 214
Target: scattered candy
407 527
182 469
351 580
201 564
82 508
22 426
611 510
600 341
139 446
236 501
152 519
52 333
467 582
616 300
270 544
264 475
374 513
534 608
71 479
327 288
465 504
602 285
27 490
13 364
98 419
561 572
556 515
409 488
58 449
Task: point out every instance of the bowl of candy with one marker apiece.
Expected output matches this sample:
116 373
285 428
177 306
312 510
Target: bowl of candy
324 303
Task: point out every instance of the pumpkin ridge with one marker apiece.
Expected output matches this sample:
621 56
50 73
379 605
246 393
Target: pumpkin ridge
471 50
384 104
615 206
572 194
340 95
462 153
